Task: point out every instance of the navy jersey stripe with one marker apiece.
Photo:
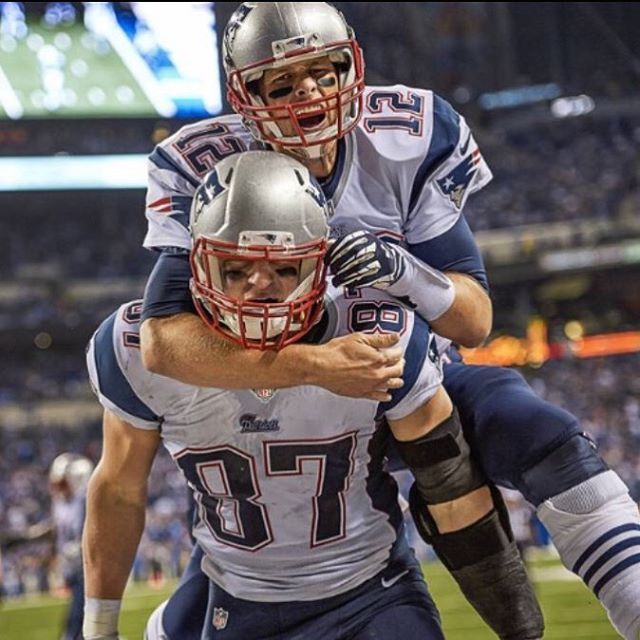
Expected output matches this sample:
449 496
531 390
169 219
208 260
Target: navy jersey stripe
623 528
167 291
444 139
414 355
113 385
455 250
163 160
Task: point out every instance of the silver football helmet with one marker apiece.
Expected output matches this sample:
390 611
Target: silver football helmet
259 206
270 35
71 469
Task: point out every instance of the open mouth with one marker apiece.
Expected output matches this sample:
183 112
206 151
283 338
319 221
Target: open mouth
311 121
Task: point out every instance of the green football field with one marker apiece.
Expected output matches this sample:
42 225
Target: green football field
571 612
66 71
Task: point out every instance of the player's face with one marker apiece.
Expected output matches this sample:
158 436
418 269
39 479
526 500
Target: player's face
300 82
259 280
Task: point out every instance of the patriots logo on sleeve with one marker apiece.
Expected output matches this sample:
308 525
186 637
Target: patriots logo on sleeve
172 205
457 181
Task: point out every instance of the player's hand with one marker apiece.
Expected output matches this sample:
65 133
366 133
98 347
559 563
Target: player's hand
361 259
360 365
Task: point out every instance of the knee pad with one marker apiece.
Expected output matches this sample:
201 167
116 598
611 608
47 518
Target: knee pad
570 464
441 464
485 562
458 549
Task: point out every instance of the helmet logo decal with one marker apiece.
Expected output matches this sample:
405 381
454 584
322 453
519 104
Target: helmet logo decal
235 21
210 188
316 193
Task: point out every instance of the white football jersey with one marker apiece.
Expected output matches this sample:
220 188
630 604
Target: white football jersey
405 171
294 500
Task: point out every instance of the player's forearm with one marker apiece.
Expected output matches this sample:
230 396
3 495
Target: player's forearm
114 524
454 304
183 348
468 320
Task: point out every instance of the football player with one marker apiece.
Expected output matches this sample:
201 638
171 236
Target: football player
398 164
298 520
68 477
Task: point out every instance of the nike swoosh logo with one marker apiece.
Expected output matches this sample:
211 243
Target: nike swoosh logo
465 146
391 581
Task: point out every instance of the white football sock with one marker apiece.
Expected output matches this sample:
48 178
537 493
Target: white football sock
596 528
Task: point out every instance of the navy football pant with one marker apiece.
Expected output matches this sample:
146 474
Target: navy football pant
510 430
183 617
393 604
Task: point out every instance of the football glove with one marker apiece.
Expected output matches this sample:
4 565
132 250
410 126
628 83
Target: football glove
361 259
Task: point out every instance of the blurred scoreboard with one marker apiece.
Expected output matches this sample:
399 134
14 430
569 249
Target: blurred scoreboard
107 59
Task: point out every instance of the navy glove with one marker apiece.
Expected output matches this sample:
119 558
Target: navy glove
361 259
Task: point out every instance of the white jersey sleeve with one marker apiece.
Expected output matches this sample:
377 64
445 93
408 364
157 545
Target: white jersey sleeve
372 311
117 375
175 168
410 166
452 169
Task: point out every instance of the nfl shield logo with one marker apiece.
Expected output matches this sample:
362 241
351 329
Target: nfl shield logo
220 617
264 394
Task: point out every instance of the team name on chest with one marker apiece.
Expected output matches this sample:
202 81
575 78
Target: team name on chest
250 423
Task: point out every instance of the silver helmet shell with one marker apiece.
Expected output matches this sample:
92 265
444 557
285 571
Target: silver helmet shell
259 205
271 35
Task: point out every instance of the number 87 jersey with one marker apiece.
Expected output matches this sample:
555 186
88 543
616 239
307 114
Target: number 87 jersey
284 479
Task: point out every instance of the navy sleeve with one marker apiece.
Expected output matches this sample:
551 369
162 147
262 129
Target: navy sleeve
455 250
167 291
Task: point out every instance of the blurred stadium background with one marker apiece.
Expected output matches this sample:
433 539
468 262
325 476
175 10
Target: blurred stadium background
552 91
